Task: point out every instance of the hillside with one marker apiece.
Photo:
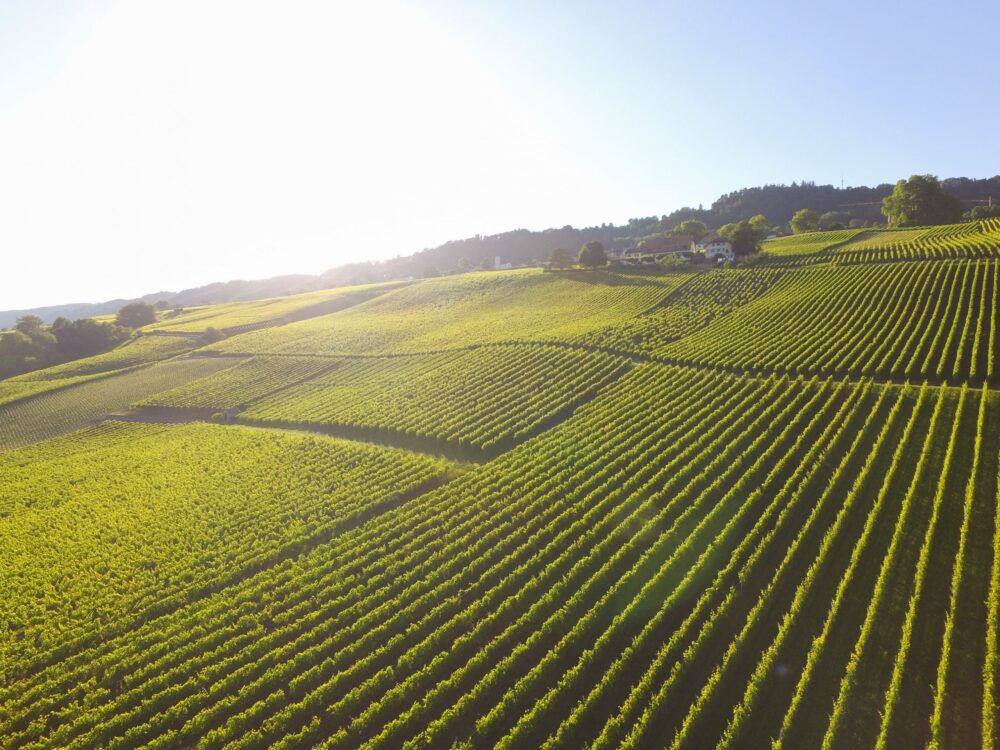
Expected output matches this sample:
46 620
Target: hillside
626 508
522 246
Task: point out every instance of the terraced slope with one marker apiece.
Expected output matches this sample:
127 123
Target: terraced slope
484 399
138 351
692 306
52 414
631 577
471 309
975 239
910 320
239 384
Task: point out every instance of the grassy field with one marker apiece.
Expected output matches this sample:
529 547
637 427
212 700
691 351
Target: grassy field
741 508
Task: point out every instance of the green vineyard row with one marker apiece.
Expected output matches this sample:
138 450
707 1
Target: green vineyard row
692 560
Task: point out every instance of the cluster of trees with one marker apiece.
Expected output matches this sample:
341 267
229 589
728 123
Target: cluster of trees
32 345
921 200
591 254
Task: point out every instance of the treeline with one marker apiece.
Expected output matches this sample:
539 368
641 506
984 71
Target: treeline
32 345
779 203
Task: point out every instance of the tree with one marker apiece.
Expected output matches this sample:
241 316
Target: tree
726 231
136 315
696 229
744 240
983 212
592 254
463 264
760 226
211 335
82 338
560 258
431 272
805 220
921 201
832 220
29 324
487 264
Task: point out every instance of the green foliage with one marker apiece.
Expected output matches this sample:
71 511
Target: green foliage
921 201
592 254
745 239
804 220
136 315
761 227
692 227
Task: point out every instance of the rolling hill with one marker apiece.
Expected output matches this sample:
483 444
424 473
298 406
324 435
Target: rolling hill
729 508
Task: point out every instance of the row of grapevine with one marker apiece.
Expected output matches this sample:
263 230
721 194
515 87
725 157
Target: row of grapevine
691 307
468 310
483 399
807 244
137 352
125 519
688 561
56 412
452 538
926 320
949 241
236 386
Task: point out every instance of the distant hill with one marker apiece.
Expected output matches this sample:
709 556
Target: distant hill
522 246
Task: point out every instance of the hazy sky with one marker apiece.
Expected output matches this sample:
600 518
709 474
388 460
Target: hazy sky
152 146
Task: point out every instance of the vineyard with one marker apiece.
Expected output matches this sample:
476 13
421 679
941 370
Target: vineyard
752 507
51 414
239 384
480 399
976 239
234 316
471 309
913 320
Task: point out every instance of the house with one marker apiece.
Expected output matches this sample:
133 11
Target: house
715 248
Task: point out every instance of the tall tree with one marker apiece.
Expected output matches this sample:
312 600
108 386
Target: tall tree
921 201
805 220
760 226
136 315
692 227
744 239
592 254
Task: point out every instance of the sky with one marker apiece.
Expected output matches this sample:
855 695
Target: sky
148 146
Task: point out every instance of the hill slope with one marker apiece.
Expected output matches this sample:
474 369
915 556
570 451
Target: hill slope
734 508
